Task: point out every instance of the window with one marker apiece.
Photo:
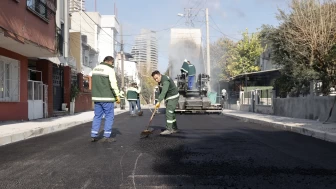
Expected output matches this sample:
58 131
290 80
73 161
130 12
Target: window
9 80
39 7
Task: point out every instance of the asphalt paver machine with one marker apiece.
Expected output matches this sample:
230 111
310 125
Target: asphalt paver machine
195 100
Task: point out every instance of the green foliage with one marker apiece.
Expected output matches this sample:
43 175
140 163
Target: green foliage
245 54
234 58
147 88
304 43
74 92
126 80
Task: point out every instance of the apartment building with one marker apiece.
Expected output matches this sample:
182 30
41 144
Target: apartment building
27 31
145 51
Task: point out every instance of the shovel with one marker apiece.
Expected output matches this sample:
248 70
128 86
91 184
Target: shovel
147 132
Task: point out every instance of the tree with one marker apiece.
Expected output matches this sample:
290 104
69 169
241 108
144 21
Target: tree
147 87
219 52
295 77
308 32
118 77
234 58
245 54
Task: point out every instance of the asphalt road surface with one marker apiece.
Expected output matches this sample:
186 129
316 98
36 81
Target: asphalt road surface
211 151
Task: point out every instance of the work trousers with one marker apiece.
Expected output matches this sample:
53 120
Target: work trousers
138 105
191 80
100 109
170 113
122 103
132 106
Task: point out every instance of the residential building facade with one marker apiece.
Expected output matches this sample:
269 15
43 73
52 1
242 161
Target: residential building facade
108 37
145 51
76 5
131 73
29 34
84 40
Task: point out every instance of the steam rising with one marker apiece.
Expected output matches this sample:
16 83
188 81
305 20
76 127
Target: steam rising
185 48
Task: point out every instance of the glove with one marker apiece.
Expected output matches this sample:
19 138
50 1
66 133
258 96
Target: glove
118 100
157 105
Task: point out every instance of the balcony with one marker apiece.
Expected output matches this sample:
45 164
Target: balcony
22 46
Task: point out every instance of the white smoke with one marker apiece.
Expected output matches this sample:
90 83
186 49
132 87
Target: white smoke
185 49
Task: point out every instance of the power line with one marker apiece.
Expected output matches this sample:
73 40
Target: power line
218 29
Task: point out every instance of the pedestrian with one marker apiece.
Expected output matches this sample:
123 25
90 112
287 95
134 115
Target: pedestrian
224 98
138 100
131 96
191 75
122 99
104 93
170 94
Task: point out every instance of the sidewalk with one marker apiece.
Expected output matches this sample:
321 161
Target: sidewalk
307 127
16 131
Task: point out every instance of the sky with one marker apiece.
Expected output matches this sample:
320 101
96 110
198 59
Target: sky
227 18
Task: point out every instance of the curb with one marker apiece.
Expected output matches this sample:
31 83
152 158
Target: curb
39 131
330 137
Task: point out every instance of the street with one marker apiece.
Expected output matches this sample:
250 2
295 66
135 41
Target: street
210 151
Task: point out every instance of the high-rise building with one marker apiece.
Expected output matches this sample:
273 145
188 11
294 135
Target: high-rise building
145 51
77 5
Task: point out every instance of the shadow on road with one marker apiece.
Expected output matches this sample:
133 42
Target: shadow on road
227 158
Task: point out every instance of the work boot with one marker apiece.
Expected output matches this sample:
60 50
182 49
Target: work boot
94 139
166 132
175 131
109 140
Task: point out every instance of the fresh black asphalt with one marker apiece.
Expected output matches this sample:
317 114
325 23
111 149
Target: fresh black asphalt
210 151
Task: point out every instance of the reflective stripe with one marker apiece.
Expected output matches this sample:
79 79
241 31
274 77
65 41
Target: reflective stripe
131 99
170 111
184 70
108 132
95 132
173 97
103 98
171 121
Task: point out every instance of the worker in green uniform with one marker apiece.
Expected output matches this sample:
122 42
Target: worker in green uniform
185 67
122 98
132 96
170 94
191 75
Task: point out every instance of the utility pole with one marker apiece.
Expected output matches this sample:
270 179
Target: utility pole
122 56
208 43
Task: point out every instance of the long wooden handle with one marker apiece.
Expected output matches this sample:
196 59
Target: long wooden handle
153 113
152 117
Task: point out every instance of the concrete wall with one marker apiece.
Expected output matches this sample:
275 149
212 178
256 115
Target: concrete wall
81 22
83 102
16 110
264 109
316 107
75 46
108 37
244 107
